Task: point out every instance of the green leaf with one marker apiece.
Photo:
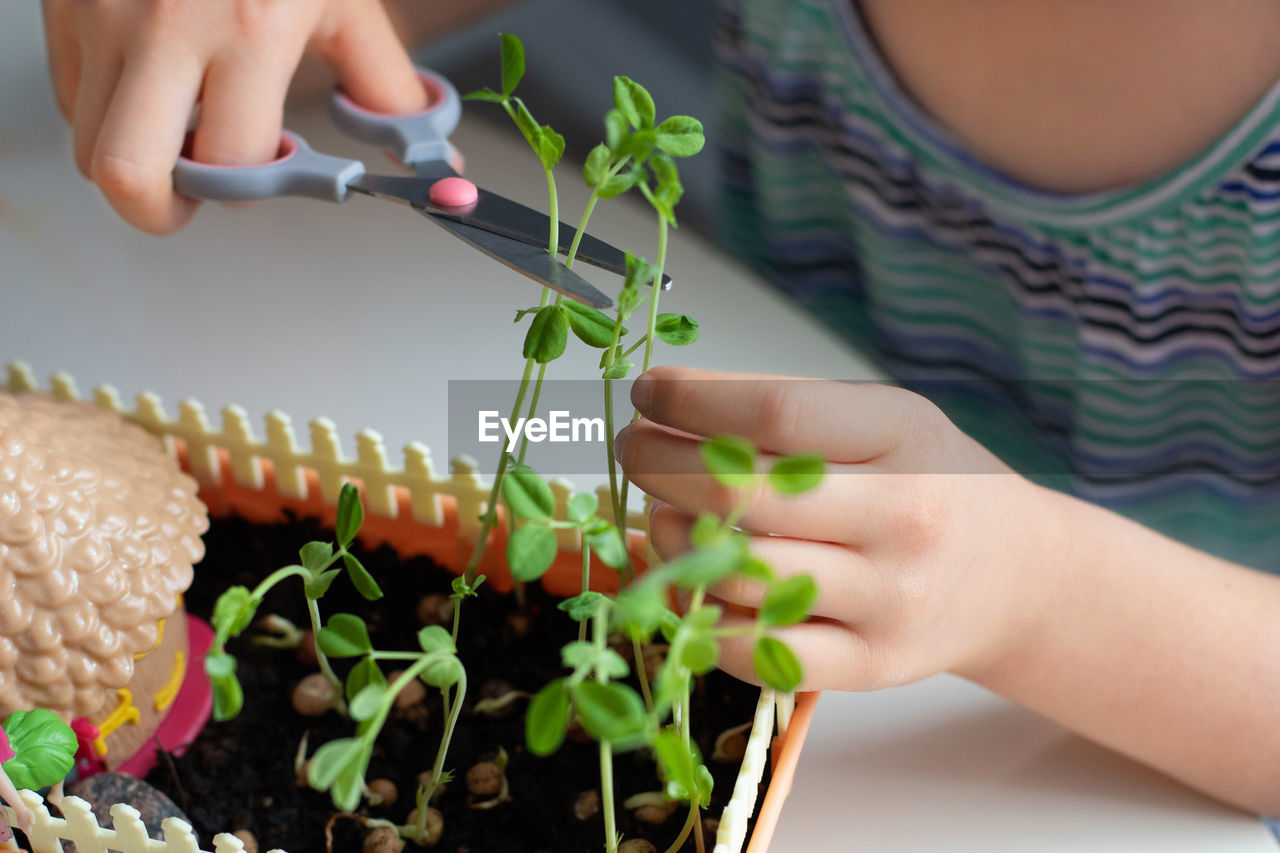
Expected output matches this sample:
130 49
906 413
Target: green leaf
44 748
609 547
367 701
678 330
705 785
531 550
638 272
315 555
619 369
592 326
633 101
523 311
582 507
777 665
485 95
612 665
609 711
547 719
528 125
641 606
350 515
620 183
681 136
316 587
528 494
361 579
443 672
593 170
363 674
788 601
349 785
582 606
548 334
707 565
637 145
434 638
663 207
793 475
462 589
756 568
512 63
700 655
707 530
330 760
676 760
577 653
234 611
615 130
344 637
550 147
731 460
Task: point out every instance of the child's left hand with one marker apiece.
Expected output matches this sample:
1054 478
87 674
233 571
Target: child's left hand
922 543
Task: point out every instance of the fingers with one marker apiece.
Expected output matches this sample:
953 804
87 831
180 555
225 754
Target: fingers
141 135
242 108
99 72
842 422
668 467
64 54
834 656
370 62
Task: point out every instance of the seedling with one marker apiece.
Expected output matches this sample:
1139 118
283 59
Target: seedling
236 608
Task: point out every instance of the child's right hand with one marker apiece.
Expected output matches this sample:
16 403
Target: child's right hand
127 73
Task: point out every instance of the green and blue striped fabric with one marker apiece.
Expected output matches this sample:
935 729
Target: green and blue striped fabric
1123 345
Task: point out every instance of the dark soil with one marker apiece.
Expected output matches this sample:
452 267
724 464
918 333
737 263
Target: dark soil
240 774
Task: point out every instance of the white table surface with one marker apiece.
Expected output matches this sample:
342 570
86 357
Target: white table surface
363 312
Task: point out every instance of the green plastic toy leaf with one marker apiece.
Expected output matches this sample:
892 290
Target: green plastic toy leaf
361 579
793 475
531 550
681 136
44 748
234 611
363 674
548 334
434 638
344 637
731 460
366 703
350 515
512 62
528 494
593 170
609 712
788 602
315 555
633 101
777 665
592 326
582 507
547 719
678 330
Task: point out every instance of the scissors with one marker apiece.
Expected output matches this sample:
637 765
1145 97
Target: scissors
505 230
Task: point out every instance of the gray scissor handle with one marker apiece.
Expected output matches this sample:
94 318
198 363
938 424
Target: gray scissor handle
300 170
415 138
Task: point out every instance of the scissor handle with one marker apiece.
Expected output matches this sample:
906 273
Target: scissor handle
299 170
414 138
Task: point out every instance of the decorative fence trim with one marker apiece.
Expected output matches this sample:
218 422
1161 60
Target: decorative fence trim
280 447
128 835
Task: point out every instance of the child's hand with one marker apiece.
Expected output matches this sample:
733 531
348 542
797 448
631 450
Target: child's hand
127 73
917 537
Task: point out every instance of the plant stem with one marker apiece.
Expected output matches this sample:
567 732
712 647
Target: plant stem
637 651
275 577
339 703
688 826
454 709
601 629
586 585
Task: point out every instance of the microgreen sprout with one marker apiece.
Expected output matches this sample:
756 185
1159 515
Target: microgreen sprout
236 607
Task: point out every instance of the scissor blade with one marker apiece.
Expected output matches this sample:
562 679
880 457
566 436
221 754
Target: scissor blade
528 260
501 215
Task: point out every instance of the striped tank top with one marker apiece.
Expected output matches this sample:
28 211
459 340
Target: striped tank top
1123 346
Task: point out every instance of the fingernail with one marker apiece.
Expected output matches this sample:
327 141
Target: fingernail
642 393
